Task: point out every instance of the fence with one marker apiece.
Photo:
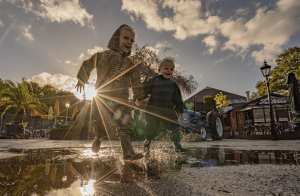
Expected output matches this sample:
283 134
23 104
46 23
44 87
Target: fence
34 123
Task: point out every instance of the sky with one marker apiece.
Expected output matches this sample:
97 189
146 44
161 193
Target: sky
222 43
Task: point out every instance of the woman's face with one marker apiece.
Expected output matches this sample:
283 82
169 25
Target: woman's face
126 40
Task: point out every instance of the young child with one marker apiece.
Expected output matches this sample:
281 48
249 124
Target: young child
113 89
165 103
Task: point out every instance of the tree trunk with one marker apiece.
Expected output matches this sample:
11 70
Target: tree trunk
19 117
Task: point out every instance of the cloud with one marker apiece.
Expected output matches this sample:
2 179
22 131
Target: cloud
63 82
81 56
70 63
158 46
94 50
25 31
57 11
17 39
186 21
1 23
212 43
242 11
269 30
223 59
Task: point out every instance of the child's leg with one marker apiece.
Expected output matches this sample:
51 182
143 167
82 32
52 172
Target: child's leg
173 129
150 131
125 128
99 131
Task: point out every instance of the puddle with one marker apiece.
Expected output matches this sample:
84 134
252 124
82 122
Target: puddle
78 171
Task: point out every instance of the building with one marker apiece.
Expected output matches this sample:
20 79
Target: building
257 113
236 100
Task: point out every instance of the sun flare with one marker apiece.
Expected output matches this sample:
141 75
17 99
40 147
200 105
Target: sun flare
90 93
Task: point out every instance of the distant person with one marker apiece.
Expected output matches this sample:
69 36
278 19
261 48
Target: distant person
114 89
165 103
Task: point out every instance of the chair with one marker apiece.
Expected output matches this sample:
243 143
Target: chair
279 128
267 129
245 130
252 130
258 128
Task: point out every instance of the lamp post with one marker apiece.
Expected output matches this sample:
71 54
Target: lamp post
265 69
67 106
195 106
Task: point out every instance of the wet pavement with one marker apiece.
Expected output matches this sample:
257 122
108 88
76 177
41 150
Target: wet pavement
74 170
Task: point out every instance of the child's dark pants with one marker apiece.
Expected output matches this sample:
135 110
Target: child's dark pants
153 123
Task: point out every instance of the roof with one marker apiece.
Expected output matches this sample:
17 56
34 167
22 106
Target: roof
254 100
235 101
212 92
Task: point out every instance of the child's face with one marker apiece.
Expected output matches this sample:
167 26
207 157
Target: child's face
166 69
126 40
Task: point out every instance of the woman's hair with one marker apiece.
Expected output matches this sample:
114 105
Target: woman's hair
170 59
129 28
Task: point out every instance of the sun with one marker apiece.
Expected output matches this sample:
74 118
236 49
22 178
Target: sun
90 93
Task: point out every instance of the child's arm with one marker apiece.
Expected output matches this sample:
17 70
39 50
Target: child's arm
137 86
178 101
85 70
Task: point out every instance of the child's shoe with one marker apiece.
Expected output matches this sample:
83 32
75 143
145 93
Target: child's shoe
127 149
147 147
96 144
179 148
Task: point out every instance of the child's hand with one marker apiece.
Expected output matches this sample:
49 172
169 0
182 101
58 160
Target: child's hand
138 102
178 115
79 86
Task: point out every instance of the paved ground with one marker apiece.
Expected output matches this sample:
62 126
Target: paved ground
171 178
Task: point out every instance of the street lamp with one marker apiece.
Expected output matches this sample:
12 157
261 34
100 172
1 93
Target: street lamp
265 70
195 106
67 106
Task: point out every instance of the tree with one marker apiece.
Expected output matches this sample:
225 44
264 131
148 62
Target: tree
209 103
186 83
288 61
17 96
222 102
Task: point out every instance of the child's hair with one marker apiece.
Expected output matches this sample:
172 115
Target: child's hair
129 28
170 59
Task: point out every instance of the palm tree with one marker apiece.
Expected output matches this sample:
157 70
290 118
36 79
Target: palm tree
18 96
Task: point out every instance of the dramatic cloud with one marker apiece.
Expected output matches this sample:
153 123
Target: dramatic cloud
68 62
94 50
269 30
25 31
186 21
59 81
57 10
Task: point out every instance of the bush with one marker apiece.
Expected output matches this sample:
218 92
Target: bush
209 103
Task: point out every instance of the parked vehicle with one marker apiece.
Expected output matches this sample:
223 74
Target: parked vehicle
190 122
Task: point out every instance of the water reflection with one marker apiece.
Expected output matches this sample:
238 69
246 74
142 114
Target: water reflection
79 172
